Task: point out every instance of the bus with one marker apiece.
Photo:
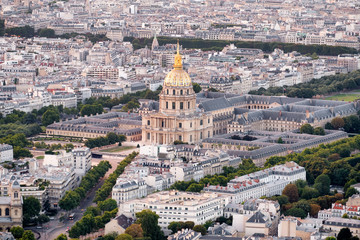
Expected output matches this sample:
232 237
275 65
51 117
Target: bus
71 216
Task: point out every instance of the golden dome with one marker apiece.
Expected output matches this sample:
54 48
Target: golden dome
177 77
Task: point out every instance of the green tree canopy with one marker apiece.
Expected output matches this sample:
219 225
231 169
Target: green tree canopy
124 236
28 235
62 237
307 128
31 206
322 184
201 229
17 231
196 87
50 116
149 223
344 234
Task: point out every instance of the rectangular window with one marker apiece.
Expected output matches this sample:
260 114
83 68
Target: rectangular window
201 135
189 105
148 122
148 136
180 125
167 105
173 105
190 138
180 138
201 122
181 105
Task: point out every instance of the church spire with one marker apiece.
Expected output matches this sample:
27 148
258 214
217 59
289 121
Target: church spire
155 43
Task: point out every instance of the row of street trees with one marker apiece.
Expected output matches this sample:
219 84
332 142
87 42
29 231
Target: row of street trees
105 190
72 198
110 138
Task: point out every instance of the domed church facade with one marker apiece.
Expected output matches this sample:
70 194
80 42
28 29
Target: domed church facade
178 117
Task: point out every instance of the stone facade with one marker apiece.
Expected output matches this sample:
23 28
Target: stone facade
177 118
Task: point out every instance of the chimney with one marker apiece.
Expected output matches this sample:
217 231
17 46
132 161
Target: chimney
307 114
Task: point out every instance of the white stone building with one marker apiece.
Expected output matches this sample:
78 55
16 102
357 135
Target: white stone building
6 153
82 160
178 206
267 182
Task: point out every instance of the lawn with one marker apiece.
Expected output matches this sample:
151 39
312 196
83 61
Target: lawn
40 157
344 97
117 149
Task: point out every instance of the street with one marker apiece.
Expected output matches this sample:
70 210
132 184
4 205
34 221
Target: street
55 227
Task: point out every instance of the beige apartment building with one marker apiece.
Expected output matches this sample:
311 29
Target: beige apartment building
177 118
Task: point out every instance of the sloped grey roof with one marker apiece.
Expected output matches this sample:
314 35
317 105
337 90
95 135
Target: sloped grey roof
215 104
258 217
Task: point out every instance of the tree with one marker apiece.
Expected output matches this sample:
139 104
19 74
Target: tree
337 123
49 117
135 231
175 226
302 204
17 231
208 224
149 223
46 32
200 228
307 128
314 209
189 224
296 212
2 27
330 238
280 141
322 184
351 191
43 219
344 234
28 235
31 206
62 237
291 191
70 201
107 205
124 236
309 193
196 87
319 131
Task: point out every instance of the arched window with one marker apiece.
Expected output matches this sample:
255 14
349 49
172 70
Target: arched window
16 212
173 92
167 91
16 194
187 91
181 92
7 212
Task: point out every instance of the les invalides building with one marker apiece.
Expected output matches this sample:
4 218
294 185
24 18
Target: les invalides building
178 117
